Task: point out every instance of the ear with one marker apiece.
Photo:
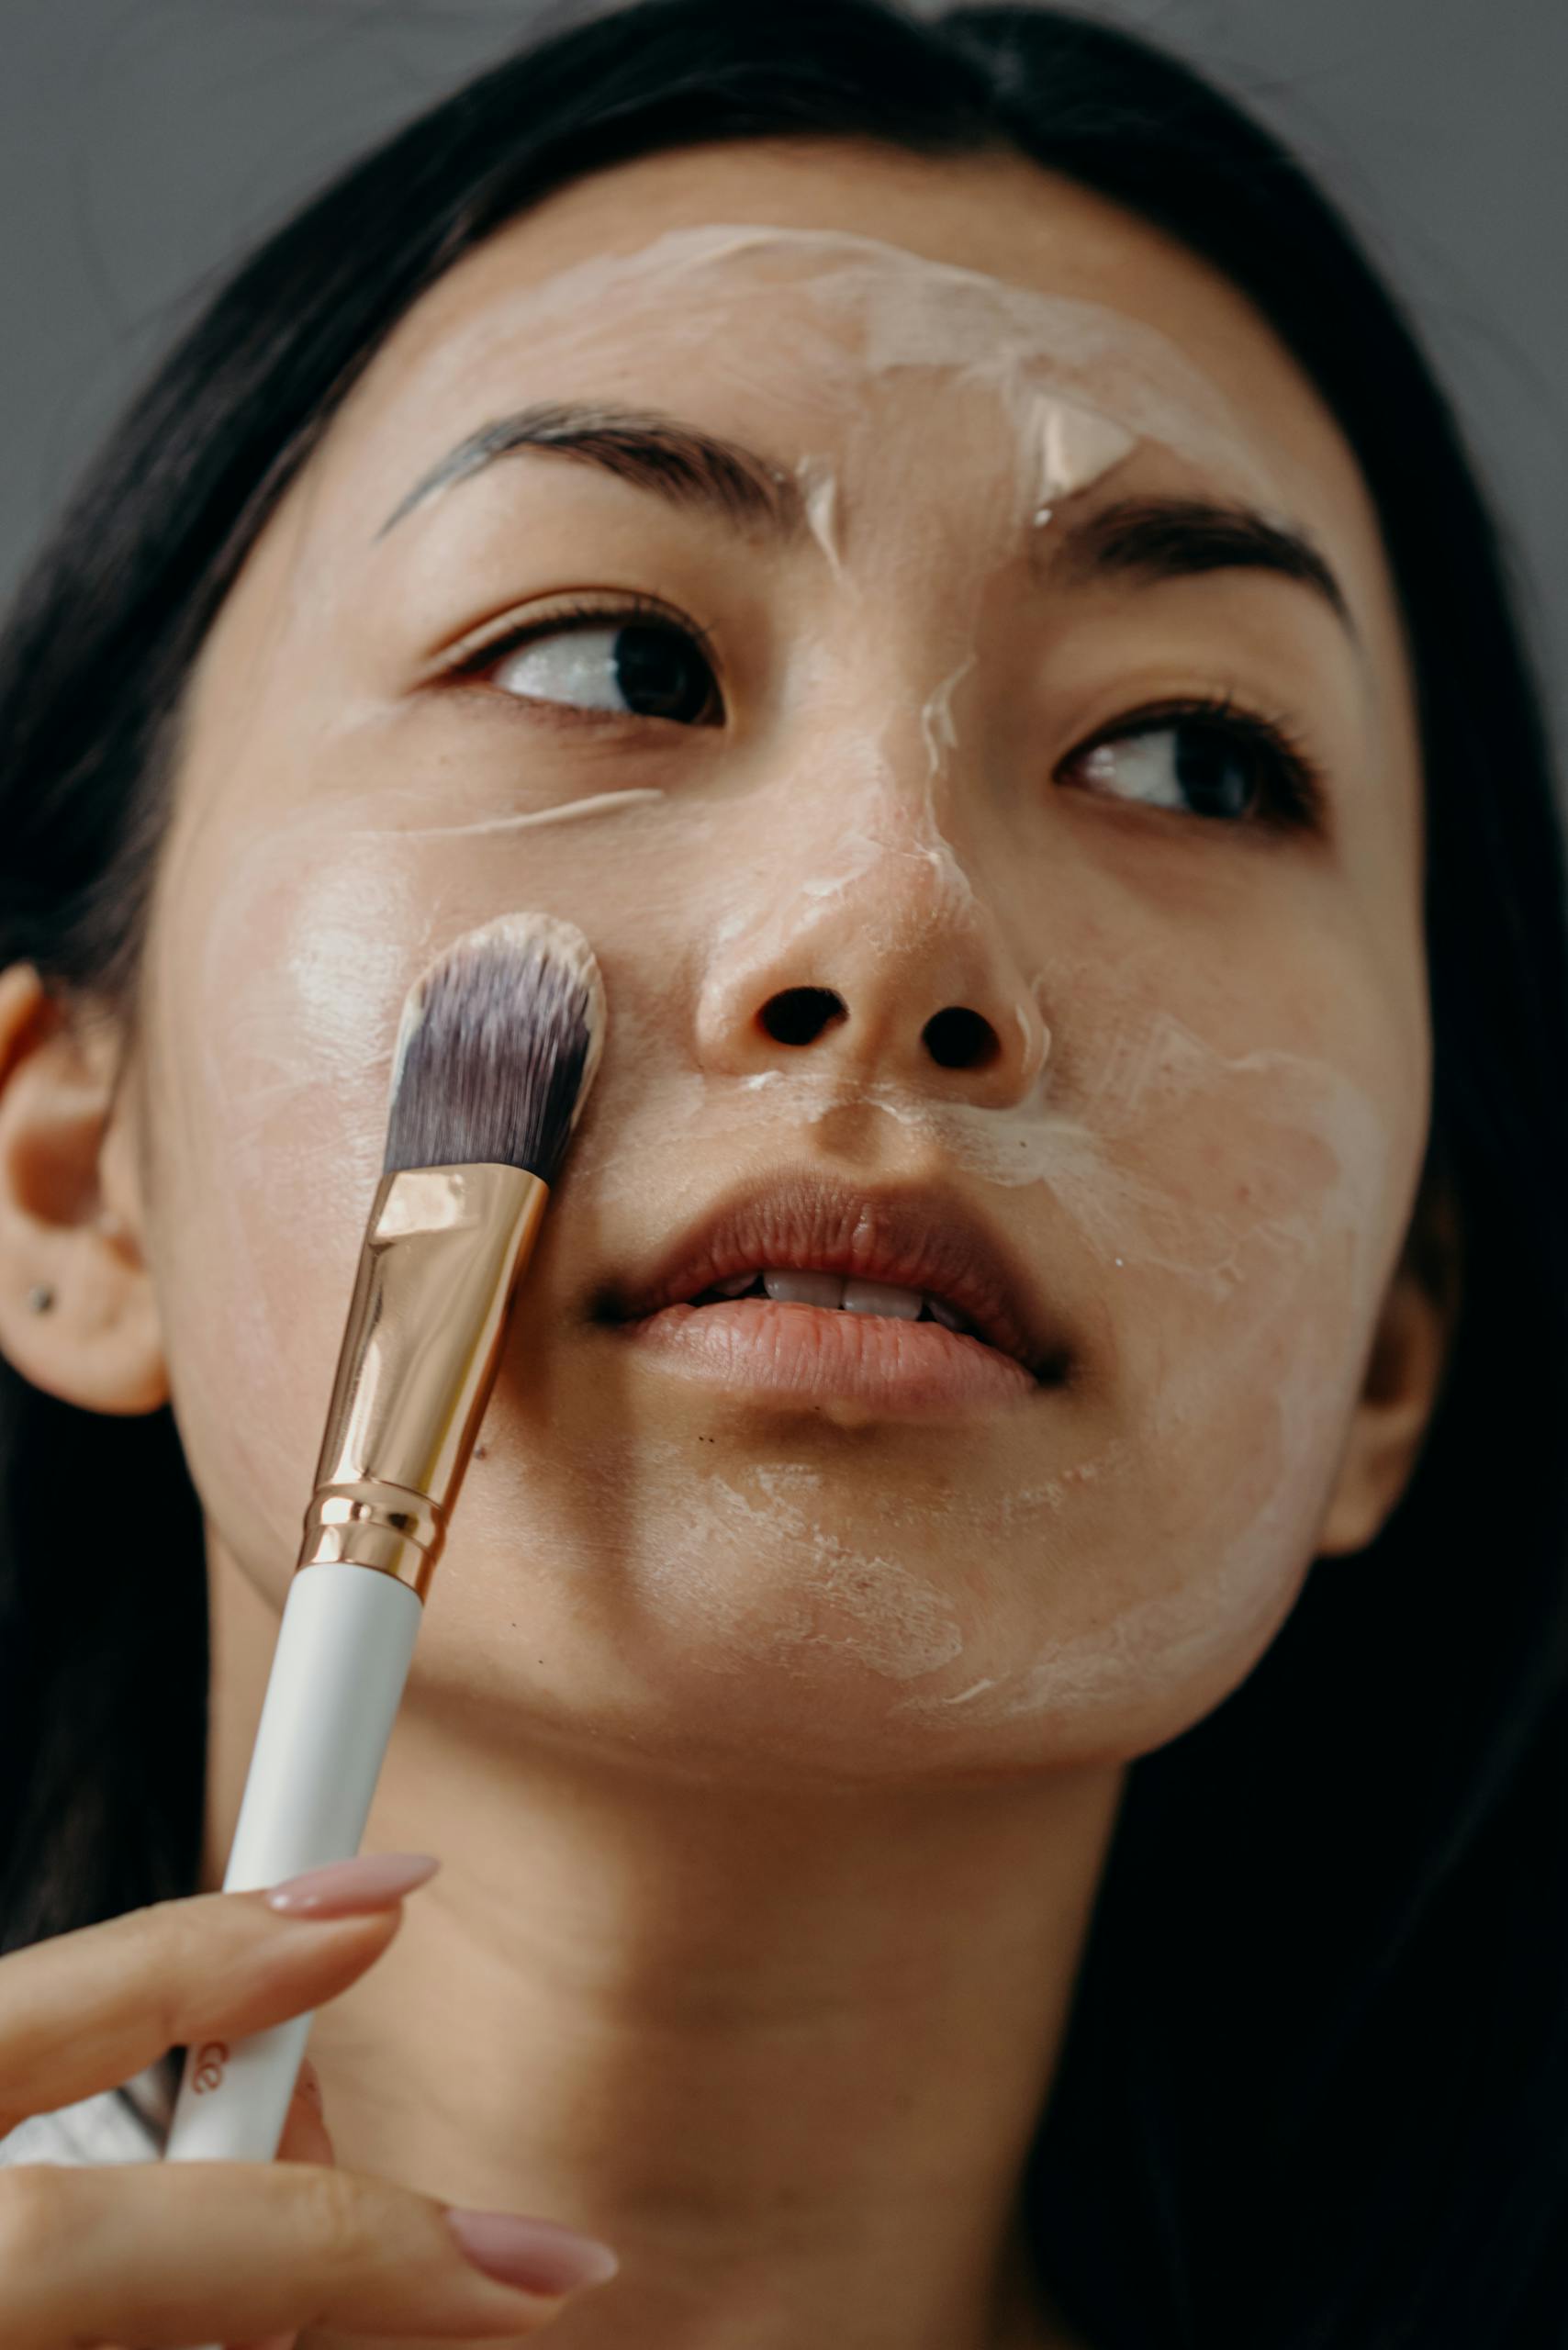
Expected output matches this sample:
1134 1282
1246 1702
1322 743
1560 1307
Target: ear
1405 1375
78 1314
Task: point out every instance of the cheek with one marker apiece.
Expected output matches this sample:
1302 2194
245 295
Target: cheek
274 1026
1242 1208
281 958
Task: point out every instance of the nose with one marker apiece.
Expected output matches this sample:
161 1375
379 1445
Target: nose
902 976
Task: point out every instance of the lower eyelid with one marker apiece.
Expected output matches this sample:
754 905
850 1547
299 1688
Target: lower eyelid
571 718
537 707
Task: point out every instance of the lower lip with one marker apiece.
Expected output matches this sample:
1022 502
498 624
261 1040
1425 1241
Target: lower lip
822 1355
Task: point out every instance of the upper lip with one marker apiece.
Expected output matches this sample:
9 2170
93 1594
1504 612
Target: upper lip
915 1237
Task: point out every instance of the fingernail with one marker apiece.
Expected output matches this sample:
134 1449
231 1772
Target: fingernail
535 2253
353 1888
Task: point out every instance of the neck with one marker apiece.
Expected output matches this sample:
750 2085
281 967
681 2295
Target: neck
786 2051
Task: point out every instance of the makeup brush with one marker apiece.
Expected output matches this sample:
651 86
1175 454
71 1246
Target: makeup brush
498 1045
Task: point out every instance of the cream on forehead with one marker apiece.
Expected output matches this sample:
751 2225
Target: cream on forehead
1085 379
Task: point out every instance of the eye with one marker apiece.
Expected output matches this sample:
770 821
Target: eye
623 665
1207 758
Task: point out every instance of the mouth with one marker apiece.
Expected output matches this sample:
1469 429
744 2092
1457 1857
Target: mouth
903 1301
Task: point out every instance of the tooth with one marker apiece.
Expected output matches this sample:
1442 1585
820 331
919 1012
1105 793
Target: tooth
880 1297
791 1287
737 1285
940 1310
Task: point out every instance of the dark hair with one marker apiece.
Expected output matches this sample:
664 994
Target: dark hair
1315 2088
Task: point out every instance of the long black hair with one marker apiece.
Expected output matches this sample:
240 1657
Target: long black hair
1314 2086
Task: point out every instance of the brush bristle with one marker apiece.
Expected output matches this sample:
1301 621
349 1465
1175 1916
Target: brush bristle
498 1048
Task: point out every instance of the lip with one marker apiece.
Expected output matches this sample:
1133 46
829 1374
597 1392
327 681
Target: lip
919 1237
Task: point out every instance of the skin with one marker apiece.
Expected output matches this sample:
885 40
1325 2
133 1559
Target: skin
757 1929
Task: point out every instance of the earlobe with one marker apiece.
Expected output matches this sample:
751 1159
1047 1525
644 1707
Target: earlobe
78 1316
1404 1376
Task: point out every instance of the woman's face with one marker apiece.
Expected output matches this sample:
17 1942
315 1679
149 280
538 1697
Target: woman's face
861 739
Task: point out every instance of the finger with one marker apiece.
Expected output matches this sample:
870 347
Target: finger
164 2255
84 2012
305 2140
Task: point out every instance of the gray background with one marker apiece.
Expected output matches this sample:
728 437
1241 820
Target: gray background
144 142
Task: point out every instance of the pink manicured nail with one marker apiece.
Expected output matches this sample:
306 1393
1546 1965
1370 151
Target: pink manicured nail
353 1888
533 2253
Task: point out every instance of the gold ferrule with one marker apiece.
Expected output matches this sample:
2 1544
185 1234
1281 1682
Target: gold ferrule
444 1251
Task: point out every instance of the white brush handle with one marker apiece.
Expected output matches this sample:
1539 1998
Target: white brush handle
337 1676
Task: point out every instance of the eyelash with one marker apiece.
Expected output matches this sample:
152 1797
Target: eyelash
1293 792
581 614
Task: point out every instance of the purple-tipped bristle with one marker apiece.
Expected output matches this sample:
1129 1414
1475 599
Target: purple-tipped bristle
499 1042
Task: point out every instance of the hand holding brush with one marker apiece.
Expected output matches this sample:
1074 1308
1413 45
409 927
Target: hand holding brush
498 1048
498 1045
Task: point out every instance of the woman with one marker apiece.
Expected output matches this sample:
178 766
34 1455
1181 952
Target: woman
929 544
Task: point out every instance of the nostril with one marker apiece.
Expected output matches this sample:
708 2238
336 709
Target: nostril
958 1038
799 1015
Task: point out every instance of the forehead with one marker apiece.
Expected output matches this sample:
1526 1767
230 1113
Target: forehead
595 287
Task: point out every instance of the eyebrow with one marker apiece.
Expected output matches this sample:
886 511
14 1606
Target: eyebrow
1178 538
641 446
1149 539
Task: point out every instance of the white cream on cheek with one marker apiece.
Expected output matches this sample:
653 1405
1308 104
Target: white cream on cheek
565 812
1251 1313
283 1073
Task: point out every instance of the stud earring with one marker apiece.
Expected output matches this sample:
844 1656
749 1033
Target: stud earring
41 1297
